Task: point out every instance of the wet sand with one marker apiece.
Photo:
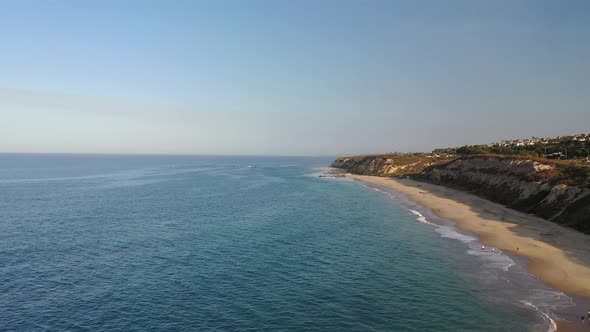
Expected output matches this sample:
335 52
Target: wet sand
559 256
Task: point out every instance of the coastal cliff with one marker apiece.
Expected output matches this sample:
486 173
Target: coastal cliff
555 191
389 165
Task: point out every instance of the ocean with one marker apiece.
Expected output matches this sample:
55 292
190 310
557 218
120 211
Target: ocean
199 243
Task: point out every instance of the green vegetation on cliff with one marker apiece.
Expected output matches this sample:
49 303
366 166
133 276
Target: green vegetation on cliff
548 177
566 147
390 164
556 190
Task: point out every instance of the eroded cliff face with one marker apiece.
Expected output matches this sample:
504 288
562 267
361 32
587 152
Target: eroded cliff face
545 189
525 185
388 165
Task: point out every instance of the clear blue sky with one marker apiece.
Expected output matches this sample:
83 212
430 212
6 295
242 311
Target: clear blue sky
289 77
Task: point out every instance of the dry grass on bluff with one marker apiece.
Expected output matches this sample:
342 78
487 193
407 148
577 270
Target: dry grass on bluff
391 164
570 172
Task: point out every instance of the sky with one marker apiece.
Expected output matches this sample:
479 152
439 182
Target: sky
289 77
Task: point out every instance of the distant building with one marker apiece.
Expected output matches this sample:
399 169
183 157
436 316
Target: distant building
555 155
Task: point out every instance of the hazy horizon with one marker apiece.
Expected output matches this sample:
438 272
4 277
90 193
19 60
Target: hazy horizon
306 78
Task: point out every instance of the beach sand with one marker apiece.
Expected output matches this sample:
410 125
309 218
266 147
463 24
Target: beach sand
559 256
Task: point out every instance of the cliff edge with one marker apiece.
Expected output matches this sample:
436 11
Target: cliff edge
389 165
556 191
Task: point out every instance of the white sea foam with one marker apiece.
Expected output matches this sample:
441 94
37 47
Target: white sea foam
317 174
421 218
550 299
327 175
451 233
552 326
492 259
444 231
392 196
544 302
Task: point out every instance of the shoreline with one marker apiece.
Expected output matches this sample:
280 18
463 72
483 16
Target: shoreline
558 256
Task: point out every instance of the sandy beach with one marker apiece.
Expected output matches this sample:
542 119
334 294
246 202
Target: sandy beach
559 256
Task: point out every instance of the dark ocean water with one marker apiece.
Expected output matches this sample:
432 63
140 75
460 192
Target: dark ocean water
154 243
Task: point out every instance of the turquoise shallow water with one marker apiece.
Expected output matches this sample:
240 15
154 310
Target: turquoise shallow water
107 243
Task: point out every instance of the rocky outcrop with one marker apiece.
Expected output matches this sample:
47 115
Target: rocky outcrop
554 191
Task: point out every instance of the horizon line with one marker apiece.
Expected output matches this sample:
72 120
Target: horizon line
162 154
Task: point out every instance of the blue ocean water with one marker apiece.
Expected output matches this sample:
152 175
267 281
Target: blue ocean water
178 243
